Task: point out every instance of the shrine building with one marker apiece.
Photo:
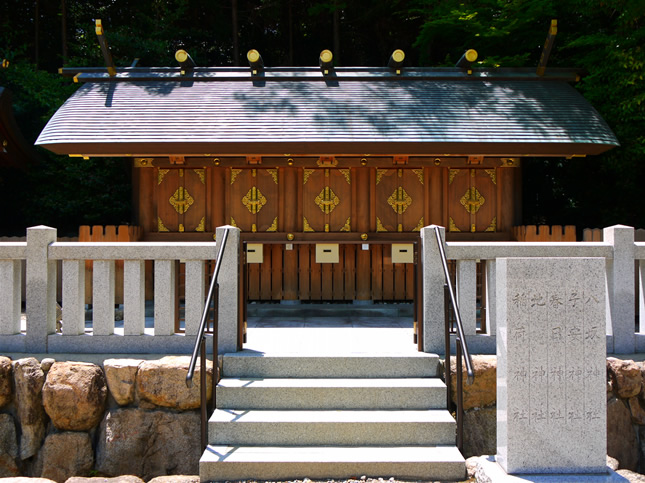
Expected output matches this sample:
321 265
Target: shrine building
330 172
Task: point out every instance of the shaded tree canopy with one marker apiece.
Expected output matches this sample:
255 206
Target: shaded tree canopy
604 38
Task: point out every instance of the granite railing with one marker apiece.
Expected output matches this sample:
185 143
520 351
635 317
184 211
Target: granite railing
625 283
37 333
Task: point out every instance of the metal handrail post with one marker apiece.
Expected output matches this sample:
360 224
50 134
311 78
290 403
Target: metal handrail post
460 399
202 394
447 375
216 368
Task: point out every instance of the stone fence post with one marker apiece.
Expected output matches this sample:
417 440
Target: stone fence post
229 289
433 282
41 288
620 287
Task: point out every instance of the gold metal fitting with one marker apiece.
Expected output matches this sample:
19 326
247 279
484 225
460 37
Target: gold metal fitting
290 236
253 56
363 162
216 161
326 57
290 161
181 55
363 236
437 162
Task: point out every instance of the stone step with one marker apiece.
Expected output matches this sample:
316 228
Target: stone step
324 462
282 393
331 428
254 364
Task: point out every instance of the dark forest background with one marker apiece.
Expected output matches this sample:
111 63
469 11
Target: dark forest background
605 38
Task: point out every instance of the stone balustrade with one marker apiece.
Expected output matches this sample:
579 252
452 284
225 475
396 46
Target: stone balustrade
625 282
100 335
623 332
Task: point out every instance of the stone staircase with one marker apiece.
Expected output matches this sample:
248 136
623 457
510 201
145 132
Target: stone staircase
282 417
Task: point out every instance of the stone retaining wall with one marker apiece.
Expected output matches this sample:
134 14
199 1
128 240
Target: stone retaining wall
129 417
625 410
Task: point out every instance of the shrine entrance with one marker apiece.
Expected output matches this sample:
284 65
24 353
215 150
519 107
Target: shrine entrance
325 272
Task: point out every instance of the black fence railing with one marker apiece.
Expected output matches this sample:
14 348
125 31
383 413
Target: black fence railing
461 347
200 345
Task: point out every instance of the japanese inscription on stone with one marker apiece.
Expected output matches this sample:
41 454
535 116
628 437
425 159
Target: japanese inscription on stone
553 366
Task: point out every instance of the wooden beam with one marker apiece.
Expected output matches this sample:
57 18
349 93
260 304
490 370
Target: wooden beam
105 49
548 45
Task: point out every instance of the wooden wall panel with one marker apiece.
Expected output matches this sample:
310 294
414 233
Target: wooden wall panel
267 216
350 271
253 202
181 200
277 268
485 182
266 273
378 272
363 201
338 270
304 271
327 281
435 196
387 184
167 185
314 183
254 281
459 184
401 199
316 274
409 281
194 185
413 182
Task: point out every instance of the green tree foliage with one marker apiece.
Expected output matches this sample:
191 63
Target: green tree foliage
605 38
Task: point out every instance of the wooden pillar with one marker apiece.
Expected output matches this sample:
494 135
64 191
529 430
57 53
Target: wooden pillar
435 196
289 186
362 197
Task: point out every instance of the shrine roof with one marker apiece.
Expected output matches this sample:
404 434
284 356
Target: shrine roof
233 111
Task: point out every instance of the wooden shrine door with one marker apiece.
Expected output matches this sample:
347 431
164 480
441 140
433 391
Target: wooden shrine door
181 200
472 205
253 202
400 200
327 205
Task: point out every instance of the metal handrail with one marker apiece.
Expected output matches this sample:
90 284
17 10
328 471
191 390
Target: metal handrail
460 343
200 342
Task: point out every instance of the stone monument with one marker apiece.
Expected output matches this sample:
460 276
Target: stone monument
551 377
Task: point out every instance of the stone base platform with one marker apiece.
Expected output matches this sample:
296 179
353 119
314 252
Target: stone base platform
489 471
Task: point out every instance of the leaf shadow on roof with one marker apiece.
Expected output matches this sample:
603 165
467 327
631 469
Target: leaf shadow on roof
464 111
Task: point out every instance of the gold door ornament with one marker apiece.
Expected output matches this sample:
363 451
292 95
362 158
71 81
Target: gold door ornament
201 173
254 200
160 226
472 200
327 200
399 200
306 226
234 173
181 200
161 174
